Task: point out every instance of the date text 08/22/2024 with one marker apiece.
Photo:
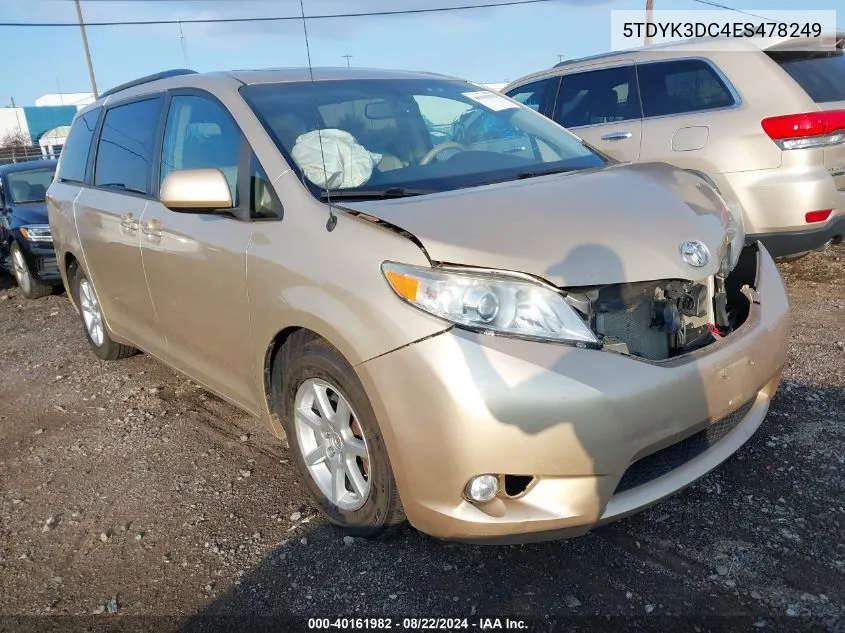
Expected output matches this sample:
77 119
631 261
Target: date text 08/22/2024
416 624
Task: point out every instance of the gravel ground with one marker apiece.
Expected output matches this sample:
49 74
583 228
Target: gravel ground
126 488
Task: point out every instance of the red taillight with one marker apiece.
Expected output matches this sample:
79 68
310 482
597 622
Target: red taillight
780 128
817 216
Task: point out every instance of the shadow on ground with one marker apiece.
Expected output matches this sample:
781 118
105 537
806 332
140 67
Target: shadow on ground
757 540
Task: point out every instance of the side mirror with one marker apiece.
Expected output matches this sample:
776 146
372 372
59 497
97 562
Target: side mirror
196 191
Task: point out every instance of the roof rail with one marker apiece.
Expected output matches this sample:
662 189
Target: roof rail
144 80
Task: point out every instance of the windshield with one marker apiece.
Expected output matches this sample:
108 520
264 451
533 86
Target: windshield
29 186
410 136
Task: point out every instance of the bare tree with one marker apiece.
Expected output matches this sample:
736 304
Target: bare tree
16 142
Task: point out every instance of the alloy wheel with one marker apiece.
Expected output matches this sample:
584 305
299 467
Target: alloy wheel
332 444
91 313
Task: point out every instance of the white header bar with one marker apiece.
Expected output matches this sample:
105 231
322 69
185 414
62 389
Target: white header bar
796 30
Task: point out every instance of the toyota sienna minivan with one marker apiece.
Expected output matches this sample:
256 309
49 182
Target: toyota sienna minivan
455 310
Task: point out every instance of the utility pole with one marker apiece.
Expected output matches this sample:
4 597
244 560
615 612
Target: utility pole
87 52
347 57
560 58
649 19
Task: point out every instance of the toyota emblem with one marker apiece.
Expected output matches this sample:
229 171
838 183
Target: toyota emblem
695 253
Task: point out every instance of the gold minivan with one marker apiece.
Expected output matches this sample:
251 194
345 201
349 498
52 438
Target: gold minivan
455 310
762 118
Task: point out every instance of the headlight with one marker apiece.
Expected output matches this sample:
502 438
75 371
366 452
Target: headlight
37 233
491 303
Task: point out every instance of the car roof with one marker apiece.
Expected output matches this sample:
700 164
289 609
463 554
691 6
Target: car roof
698 46
188 78
27 165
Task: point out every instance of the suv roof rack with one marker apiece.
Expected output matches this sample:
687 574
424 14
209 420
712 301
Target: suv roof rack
143 80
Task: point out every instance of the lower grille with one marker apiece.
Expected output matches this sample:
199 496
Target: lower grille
666 460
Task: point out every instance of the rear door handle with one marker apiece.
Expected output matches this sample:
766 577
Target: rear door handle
128 223
152 228
616 136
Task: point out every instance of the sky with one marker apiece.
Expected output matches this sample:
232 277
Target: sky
488 45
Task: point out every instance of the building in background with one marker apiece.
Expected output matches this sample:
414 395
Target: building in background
38 131
78 99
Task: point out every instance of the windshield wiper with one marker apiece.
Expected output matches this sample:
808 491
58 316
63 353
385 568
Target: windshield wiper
547 172
381 194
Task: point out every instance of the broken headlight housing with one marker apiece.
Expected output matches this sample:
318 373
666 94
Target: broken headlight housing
490 303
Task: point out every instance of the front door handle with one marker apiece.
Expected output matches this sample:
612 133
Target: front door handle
128 223
152 228
616 136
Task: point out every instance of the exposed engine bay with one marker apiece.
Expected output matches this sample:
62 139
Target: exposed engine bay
658 320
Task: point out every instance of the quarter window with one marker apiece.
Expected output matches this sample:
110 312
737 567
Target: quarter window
74 157
684 85
262 202
598 96
125 148
199 134
534 94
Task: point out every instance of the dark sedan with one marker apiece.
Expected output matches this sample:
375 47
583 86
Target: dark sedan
26 245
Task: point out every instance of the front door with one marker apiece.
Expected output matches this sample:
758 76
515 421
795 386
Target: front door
602 106
196 263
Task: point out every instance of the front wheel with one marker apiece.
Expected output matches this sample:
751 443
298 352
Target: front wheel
92 318
31 288
335 438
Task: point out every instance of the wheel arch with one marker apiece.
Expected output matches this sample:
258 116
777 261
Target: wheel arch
272 362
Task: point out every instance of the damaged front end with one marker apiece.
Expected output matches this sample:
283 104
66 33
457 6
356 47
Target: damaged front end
667 318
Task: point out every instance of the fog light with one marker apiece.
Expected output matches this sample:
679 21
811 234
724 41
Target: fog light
482 488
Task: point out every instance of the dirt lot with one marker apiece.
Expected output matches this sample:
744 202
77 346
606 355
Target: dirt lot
125 487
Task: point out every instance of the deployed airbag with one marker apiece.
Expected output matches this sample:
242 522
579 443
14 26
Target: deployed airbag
333 159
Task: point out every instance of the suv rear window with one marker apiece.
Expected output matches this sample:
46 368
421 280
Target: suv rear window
74 156
820 74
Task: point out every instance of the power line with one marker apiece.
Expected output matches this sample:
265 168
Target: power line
285 18
727 8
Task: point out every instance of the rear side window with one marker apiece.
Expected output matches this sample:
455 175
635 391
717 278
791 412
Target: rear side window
684 85
533 95
74 157
598 96
821 75
125 148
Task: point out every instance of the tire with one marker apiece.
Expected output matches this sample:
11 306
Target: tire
311 364
30 287
85 297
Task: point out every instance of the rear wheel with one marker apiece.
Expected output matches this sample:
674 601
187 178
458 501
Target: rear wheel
31 288
335 439
96 330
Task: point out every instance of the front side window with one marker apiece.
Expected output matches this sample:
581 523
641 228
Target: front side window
125 148
74 157
679 86
598 96
533 95
366 137
29 186
199 134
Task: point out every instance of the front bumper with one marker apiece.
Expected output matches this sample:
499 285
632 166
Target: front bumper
41 259
460 404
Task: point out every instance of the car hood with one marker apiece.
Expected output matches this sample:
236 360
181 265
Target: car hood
622 223
29 213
